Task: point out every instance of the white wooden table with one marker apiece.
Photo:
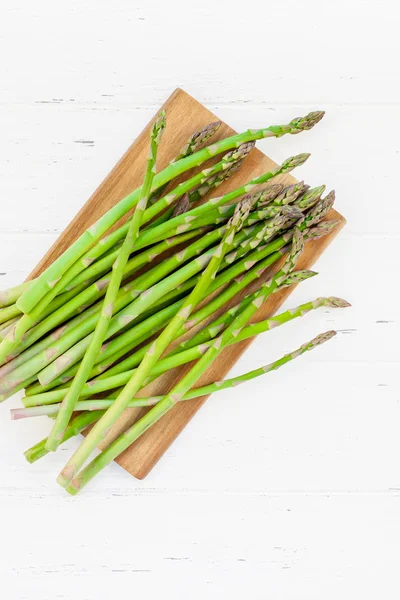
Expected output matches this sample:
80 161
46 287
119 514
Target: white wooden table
302 501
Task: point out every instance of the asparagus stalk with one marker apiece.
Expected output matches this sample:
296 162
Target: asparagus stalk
197 179
200 244
71 398
197 347
116 348
83 420
314 215
179 224
156 350
196 194
194 143
9 312
104 403
124 317
10 296
253 267
45 282
266 233
6 326
77 424
312 218
74 480
135 301
27 347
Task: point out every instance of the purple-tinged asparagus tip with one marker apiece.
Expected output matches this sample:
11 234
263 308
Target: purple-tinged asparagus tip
159 126
291 212
295 161
268 194
307 122
182 206
320 339
334 302
321 229
291 193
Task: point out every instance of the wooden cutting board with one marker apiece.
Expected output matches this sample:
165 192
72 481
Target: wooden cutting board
184 116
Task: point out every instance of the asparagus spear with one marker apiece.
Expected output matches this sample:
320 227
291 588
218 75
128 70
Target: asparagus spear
135 301
179 224
45 282
116 348
74 480
64 415
9 312
314 215
253 266
10 296
104 403
194 143
156 350
232 157
85 419
198 345
287 165
28 348
196 194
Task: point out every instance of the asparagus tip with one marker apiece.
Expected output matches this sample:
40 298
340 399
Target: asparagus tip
295 161
310 197
269 193
307 122
320 209
321 339
292 192
245 149
335 302
291 212
182 206
159 126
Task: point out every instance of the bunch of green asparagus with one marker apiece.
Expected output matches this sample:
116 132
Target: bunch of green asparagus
118 309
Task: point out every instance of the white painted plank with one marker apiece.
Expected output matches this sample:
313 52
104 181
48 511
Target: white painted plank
259 545
289 52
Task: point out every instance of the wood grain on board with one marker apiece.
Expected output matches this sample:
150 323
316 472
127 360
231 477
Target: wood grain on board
184 116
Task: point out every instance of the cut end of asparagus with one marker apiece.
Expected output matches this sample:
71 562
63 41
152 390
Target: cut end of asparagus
66 476
17 413
73 488
303 123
